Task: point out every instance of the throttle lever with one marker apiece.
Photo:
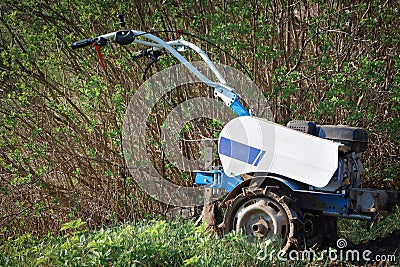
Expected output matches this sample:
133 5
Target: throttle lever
98 44
103 67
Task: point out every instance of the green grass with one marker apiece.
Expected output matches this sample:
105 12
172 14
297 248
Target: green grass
161 243
151 243
359 231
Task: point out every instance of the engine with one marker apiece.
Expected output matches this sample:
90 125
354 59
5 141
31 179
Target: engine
350 170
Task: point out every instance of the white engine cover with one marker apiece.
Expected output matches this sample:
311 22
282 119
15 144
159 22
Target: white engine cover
249 144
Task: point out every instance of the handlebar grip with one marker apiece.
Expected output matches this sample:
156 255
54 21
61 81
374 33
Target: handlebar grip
82 43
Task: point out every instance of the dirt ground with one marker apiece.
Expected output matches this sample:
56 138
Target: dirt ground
383 247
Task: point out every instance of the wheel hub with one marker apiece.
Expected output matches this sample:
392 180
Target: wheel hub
260 228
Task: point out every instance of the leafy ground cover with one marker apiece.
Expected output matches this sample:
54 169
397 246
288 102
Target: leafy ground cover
181 243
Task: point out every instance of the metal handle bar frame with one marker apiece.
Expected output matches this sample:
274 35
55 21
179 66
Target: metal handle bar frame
221 89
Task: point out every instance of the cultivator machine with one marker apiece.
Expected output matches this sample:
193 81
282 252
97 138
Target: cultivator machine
288 183
314 177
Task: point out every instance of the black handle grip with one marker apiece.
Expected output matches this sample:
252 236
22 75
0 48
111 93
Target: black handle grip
82 43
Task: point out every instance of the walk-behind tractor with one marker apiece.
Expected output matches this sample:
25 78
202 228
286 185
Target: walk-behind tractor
288 183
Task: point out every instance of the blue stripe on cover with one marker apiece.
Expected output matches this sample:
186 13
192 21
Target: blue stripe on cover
239 151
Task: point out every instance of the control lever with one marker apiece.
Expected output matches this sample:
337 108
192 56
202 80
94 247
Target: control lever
153 55
121 21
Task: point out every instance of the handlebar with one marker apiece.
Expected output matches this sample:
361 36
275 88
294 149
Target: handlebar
155 43
124 37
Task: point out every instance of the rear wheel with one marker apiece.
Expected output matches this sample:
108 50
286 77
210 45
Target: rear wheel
261 214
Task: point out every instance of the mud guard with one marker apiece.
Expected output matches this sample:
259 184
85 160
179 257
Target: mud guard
249 144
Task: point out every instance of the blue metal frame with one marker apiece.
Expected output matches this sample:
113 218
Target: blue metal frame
217 179
239 109
321 201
